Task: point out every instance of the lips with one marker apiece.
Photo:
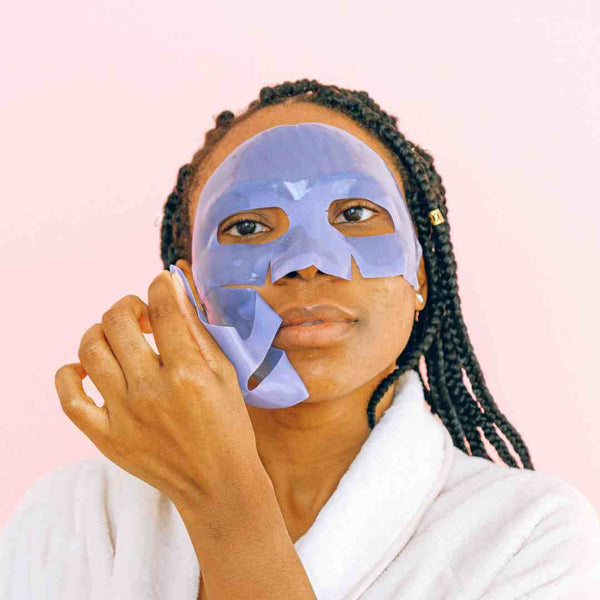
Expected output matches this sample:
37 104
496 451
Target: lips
319 326
324 313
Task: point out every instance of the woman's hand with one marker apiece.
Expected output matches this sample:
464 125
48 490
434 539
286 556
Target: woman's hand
177 420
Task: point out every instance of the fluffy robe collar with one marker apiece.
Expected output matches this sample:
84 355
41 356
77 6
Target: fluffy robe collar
380 499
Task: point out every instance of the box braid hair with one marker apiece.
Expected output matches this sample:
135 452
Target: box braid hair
439 334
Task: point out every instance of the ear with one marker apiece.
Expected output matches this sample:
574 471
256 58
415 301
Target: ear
185 266
422 277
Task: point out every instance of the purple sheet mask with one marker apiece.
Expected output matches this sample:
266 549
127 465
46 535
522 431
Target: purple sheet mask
301 169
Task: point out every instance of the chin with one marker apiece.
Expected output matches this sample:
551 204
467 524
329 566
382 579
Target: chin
324 379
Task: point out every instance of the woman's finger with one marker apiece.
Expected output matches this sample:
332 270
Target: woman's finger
171 333
211 350
121 327
101 365
79 407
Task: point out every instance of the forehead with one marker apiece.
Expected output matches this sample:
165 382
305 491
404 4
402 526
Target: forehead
287 113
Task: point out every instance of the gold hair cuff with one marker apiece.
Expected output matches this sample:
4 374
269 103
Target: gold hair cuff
436 217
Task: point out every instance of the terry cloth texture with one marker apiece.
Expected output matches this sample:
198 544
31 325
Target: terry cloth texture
413 517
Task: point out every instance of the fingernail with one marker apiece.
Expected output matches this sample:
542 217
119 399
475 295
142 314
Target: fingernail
177 279
182 284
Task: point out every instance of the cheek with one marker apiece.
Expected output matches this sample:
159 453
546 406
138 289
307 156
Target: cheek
387 326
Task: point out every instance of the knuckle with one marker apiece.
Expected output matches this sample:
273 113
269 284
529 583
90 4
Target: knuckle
91 343
59 373
135 303
126 301
132 299
182 375
134 348
71 409
160 310
224 369
143 387
113 317
90 351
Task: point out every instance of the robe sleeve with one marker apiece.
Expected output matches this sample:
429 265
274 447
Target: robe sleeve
558 560
43 552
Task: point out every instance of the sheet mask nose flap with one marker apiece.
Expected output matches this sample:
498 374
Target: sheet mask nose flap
300 169
300 250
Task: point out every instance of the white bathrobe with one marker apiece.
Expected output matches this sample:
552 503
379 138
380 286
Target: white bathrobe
413 517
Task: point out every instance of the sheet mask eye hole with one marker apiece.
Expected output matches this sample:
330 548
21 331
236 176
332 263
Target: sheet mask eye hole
253 226
245 228
354 214
355 217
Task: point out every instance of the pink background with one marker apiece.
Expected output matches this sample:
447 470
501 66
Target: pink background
102 102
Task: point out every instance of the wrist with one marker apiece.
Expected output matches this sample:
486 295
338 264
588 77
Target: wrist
245 482
237 513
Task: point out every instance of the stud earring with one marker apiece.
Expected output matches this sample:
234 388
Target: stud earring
419 298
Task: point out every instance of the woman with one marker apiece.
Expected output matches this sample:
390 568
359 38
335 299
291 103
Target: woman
361 473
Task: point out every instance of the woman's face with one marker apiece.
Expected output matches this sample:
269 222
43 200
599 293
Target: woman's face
383 307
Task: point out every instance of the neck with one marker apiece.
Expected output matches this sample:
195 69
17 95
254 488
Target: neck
307 448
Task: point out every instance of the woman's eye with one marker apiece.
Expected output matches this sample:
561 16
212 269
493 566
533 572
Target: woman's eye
244 228
353 214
